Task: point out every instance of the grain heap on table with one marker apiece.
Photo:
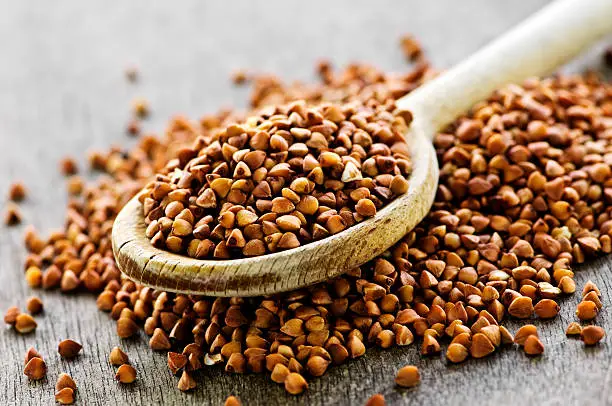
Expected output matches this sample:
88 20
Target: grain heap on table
524 193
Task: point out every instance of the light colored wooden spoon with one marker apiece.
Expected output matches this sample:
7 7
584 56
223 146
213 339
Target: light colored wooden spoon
535 47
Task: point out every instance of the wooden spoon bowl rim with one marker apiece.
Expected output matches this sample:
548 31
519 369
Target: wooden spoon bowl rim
286 270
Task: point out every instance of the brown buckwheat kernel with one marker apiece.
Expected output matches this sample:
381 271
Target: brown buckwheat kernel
408 377
34 305
35 369
65 381
573 329
239 77
65 396
10 317
524 332
24 323
140 107
131 73
590 287
126 374
34 276
186 383
17 192
232 401
376 400
12 214
118 357
586 310
591 335
69 348
295 383
68 166
546 309
75 185
411 48
133 127
533 345
31 353
457 353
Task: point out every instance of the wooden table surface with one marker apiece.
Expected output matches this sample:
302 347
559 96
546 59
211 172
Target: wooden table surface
63 91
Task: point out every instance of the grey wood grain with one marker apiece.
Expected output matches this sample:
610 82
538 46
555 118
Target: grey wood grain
62 91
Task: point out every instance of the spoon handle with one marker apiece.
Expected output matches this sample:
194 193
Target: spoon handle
535 47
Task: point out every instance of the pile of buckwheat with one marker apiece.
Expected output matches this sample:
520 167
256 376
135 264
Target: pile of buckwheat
524 192
287 176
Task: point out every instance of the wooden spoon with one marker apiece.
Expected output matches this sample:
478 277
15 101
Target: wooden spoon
535 47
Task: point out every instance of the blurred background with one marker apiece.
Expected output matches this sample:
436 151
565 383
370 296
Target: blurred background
65 61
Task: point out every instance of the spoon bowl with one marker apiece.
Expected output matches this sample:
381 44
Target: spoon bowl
285 270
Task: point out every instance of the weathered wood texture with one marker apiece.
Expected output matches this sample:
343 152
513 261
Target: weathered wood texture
62 91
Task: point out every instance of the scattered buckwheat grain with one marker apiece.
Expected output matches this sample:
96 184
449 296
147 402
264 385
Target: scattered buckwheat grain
573 329
65 396
17 191
140 107
126 374
408 376
376 400
133 127
12 214
118 357
232 401
35 369
239 77
68 166
591 335
69 348
131 73
34 305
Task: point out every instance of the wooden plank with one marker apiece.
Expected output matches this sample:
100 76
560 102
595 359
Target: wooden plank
62 91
